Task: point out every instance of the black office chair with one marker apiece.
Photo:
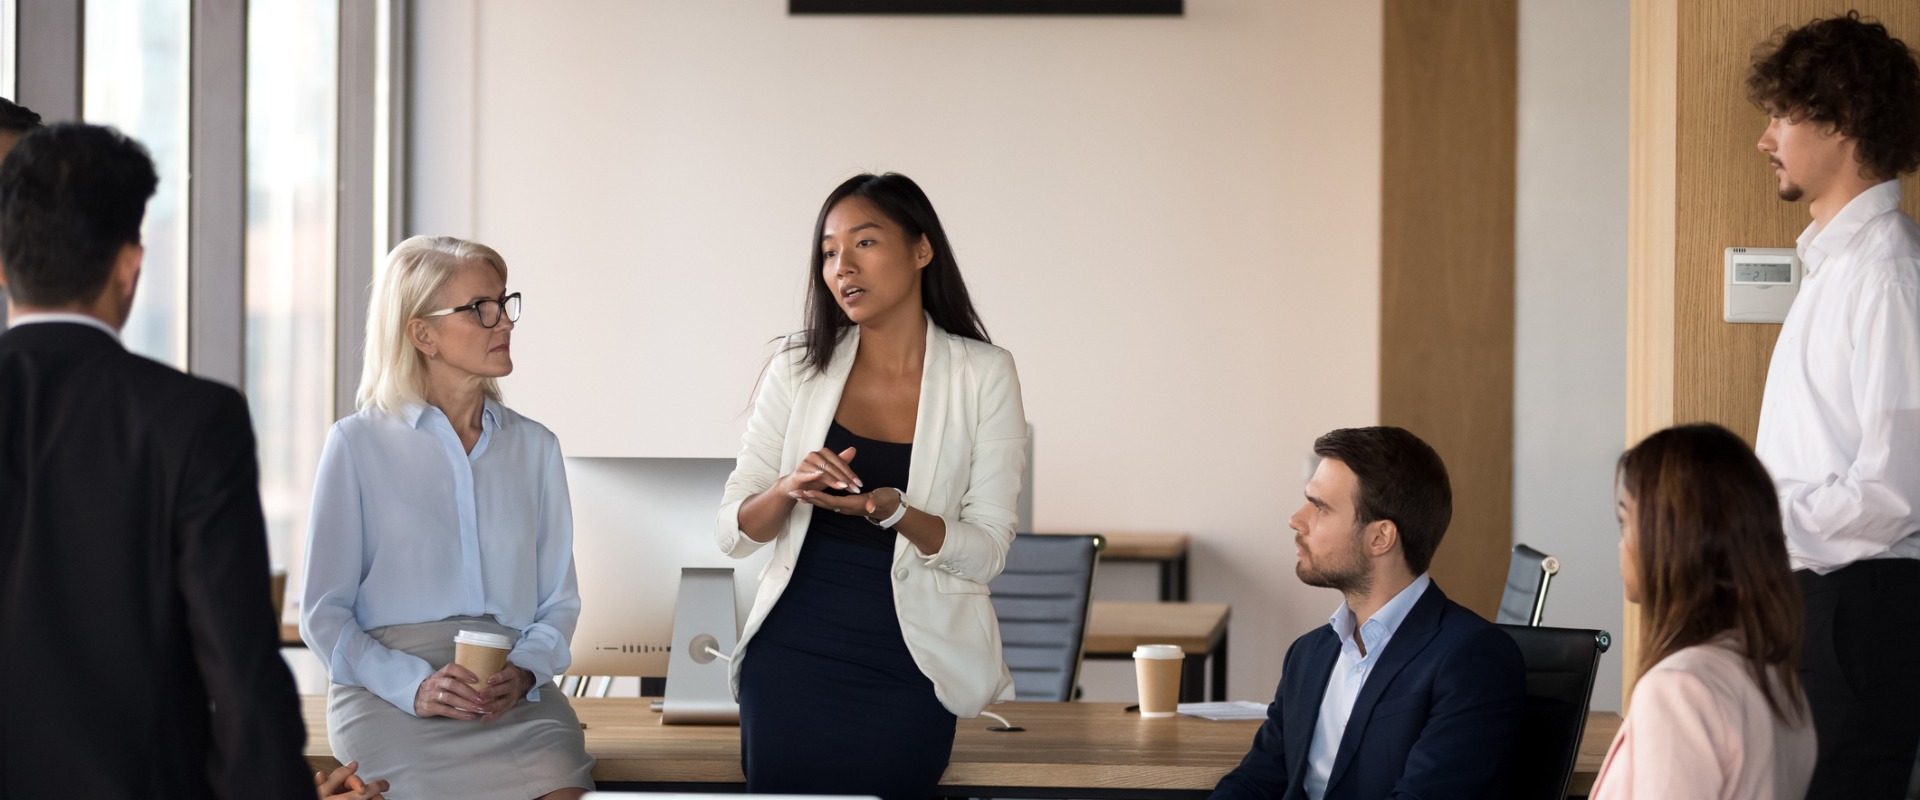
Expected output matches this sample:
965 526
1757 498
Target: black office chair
1524 600
1561 664
1042 598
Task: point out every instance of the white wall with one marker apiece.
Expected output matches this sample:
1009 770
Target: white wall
1571 310
1172 223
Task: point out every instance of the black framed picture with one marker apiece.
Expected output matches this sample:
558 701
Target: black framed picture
1108 7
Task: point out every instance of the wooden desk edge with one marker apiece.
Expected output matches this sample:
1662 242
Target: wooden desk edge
723 769
1104 641
1137 545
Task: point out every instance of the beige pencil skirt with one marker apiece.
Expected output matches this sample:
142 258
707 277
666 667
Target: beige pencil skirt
532 749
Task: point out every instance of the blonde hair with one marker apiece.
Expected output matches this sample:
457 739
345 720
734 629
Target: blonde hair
395 372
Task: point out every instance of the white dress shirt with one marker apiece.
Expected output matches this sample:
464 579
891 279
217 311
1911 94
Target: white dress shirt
1350 673
1840 421
62 316
408 527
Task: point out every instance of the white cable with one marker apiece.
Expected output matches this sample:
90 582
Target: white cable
1003 720
719 655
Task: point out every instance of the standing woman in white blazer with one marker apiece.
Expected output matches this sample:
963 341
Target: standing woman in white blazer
883 461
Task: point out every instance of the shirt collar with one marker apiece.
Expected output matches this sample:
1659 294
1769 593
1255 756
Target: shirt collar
490 414
62 316
1817 244
1387 619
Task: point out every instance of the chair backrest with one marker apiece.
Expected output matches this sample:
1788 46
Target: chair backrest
1524 601
1561 664
1041 599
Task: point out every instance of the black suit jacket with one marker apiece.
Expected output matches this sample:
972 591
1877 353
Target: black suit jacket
1436 718
138 651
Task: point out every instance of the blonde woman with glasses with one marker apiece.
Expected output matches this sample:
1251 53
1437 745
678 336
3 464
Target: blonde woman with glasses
439 510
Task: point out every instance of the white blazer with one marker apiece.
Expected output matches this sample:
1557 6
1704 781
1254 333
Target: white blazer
969 448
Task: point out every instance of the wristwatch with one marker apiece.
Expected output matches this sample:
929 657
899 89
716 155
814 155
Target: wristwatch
897 515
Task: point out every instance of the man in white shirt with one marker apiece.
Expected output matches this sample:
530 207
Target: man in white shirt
1403 693
1840 422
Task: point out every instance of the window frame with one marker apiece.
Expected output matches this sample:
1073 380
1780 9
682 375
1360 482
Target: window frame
44 70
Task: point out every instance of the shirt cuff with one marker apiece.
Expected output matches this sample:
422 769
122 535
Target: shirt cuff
540 678
400 691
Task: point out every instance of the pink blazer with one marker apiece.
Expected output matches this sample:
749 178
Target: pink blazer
1699 728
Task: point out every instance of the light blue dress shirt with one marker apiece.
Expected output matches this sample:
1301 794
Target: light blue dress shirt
408 527
1350 673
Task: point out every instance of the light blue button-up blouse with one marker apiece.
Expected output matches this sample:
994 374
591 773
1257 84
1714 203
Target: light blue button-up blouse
407 527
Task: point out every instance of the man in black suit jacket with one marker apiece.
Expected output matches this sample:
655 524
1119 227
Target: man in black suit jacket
1404 693
137 641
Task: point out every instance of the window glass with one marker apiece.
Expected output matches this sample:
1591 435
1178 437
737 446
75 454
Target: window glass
292 113
135 79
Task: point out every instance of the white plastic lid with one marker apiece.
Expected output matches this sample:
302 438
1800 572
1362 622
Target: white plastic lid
1158 651
483 639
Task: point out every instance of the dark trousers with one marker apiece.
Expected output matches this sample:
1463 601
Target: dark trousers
1861 668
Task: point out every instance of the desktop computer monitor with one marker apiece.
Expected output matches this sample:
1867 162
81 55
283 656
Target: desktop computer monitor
636 523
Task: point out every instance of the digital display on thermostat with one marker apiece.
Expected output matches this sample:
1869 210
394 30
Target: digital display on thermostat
1745 272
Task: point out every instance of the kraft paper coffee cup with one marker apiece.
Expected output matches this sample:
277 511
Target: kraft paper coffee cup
483 653
1158 668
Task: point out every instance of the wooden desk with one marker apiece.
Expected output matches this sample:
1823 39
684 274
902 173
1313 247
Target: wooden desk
287 612
1167 549
1088 750
290 626
1115 629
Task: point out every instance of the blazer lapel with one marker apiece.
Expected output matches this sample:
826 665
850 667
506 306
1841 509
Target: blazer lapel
1303 709
823 395
938 375
816 401
1418 629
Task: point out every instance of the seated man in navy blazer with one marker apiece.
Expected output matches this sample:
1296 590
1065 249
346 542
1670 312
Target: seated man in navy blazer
1404 693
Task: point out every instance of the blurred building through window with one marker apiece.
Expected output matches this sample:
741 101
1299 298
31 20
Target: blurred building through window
135 79
292 141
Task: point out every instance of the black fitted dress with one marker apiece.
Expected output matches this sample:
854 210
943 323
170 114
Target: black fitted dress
831 702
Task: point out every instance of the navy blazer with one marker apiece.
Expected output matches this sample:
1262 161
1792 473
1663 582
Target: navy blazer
1436 718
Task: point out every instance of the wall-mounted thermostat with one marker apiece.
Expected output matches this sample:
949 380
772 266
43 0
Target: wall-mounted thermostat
1761 283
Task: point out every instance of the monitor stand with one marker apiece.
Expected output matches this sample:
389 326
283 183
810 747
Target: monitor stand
698 690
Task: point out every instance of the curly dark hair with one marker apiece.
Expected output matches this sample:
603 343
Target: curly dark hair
1851 73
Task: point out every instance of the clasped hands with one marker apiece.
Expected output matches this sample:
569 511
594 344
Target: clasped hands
448 693
823 469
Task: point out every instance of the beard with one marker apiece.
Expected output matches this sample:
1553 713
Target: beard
1789 191
1348 573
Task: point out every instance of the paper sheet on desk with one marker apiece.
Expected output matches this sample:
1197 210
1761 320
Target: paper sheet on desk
1237 709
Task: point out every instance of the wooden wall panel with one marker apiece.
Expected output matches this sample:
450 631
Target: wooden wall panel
1446 275
1696 186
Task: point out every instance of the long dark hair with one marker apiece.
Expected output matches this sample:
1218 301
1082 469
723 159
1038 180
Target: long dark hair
1713 557
943 294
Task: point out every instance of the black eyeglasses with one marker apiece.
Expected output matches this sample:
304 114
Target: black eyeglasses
487 312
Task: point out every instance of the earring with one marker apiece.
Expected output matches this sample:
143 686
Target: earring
433 356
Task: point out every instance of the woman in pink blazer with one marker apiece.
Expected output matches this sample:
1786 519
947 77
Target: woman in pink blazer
1718 711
